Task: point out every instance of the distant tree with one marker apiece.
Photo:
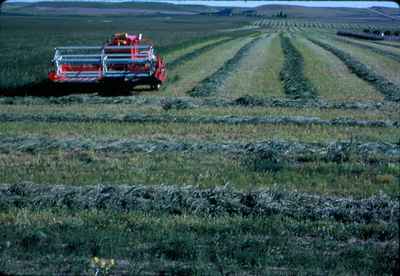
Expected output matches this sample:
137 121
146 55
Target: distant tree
1 4
281 14
396 33
367 31
387 33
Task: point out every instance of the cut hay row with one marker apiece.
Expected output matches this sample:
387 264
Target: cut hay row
189 102
295 84
166 118
329 152
331 77
186 76
274 24
390 90
392 45
258 73
204 202
377 50
195 53
208 85
175 51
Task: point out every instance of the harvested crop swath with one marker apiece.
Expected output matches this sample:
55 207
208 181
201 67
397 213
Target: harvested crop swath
207 202
393 45
295 84
190 73
208 86
360 35
230 119
381 65
174 52
197 52
331 77
258 73
390 90
377 50
189 102
329 152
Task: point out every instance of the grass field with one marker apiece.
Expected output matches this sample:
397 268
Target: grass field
272 148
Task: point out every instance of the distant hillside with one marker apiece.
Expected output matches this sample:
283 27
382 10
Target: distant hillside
103 8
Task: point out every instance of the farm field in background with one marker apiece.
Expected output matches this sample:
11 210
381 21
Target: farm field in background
273 147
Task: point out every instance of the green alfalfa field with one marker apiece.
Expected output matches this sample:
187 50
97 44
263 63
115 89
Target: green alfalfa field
272 149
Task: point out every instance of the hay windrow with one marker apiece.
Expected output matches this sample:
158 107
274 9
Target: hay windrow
379 51
390 90
209 85
175 63
288 150
166 118
217 201
189 102
295 84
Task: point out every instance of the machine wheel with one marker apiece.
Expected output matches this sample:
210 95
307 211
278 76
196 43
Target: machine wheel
155 86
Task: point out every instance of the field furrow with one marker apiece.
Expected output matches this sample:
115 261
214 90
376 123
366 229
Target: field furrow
210 84
292 75
386 87
333 80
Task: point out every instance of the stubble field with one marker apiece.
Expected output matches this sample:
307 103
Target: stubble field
269 150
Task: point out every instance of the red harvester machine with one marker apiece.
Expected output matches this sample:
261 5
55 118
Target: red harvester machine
127 59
